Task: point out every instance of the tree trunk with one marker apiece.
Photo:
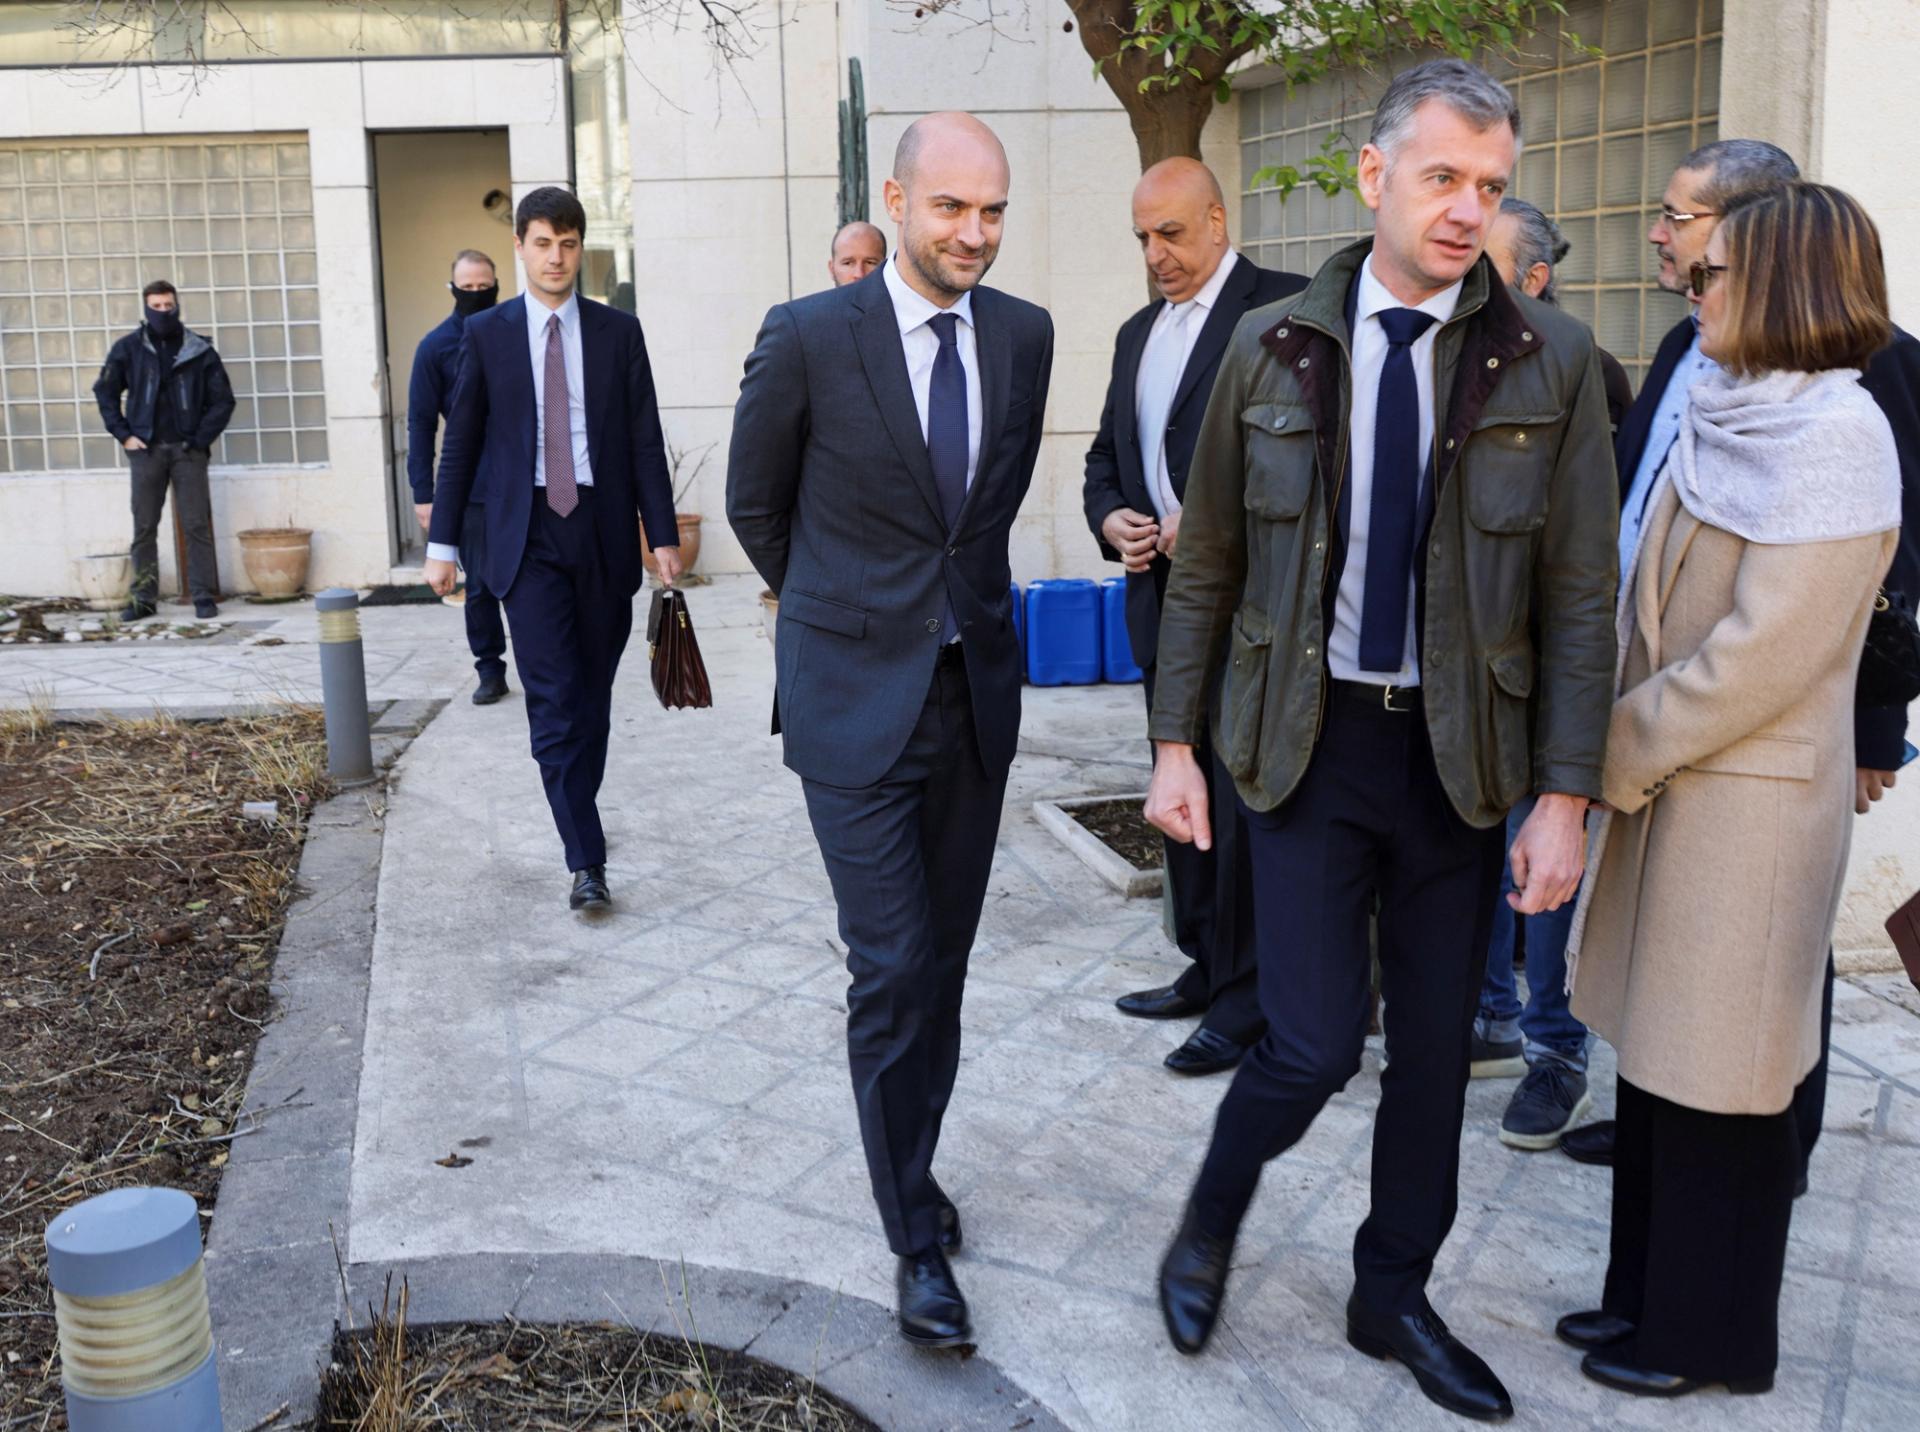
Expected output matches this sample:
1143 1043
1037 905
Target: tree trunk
1167 120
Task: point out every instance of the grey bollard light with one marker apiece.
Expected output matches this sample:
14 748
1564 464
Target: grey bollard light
343 686
130 1301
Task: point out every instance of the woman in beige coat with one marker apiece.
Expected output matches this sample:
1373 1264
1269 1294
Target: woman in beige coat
1702 940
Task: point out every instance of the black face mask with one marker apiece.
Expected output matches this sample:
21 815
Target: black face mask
469 301
164 324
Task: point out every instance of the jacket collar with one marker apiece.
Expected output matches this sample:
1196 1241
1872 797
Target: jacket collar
192 345
1495 333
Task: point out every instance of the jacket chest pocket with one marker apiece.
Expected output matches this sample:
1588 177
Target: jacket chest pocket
1506 467
1279 445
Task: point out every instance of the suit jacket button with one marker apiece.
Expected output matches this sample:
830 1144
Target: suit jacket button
933 623
953 551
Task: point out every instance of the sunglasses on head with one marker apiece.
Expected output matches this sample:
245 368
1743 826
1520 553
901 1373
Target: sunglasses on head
1701 274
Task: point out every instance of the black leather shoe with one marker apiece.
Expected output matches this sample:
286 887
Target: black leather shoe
490 690
1610 1370
1449 1372
1193 1284
136 611
1590 1143
932 1312
206 609
1165 1002
1206 1051
590 889
1593 1330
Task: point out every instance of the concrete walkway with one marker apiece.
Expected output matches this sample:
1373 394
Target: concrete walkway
671 1083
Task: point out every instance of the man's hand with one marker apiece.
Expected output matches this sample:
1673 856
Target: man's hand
1869 785
423 513
1177 795
667 559
440 575
133 444
1131 534
1169 531
1549 854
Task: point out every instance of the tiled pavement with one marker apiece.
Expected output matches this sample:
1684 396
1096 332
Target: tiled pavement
671 1082
268 656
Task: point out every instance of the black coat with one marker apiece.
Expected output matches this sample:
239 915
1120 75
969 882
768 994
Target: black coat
1894 380
202 396
1116 468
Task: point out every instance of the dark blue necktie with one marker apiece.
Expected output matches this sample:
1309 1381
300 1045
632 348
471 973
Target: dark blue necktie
947 418
1396 496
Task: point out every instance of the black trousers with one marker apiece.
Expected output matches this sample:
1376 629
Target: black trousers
155 469
1369 818
909 858
1810 1099
570 625
1701 1206
486 637
1210 893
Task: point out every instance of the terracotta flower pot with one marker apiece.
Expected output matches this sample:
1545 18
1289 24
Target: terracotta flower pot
689 544
104 579
276 558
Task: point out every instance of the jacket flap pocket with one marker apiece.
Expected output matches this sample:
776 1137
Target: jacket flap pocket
1789 758
824 613
1512 667
1280 458
1508 460
1251 628
1515 432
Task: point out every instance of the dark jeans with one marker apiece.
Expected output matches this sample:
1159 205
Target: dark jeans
909 858
570 626
486 637
1701 1207
154 469
1210 897
1369 818
1546 1023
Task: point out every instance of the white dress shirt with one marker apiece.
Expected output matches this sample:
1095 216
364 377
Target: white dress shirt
922 346
1163 362
537 315
1369 357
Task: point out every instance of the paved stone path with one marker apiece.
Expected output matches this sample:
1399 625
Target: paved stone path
267 656
671 1082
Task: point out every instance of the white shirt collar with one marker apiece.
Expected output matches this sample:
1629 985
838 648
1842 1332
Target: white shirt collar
910 308
569 313
1210 290
1374 297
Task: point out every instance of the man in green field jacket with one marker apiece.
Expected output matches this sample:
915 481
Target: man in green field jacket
1398 563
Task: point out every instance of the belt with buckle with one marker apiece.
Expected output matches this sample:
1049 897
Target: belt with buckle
1387 697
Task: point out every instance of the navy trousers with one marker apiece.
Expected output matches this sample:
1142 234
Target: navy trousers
570 626
1369 820
486 637
909 858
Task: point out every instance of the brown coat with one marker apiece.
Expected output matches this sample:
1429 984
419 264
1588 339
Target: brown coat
1730 762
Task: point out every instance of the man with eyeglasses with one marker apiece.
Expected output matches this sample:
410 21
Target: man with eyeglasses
1709 181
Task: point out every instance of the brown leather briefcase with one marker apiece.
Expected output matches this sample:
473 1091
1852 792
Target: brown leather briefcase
1904 925
679 675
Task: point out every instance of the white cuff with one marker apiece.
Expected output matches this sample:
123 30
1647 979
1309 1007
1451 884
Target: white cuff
442 552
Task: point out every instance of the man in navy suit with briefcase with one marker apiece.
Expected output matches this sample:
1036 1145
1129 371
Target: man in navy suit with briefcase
885 434
554 428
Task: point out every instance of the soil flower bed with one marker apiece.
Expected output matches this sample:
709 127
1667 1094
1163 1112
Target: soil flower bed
578 1377
139 913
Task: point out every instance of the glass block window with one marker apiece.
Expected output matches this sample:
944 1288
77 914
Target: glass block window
1603 134
85 226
